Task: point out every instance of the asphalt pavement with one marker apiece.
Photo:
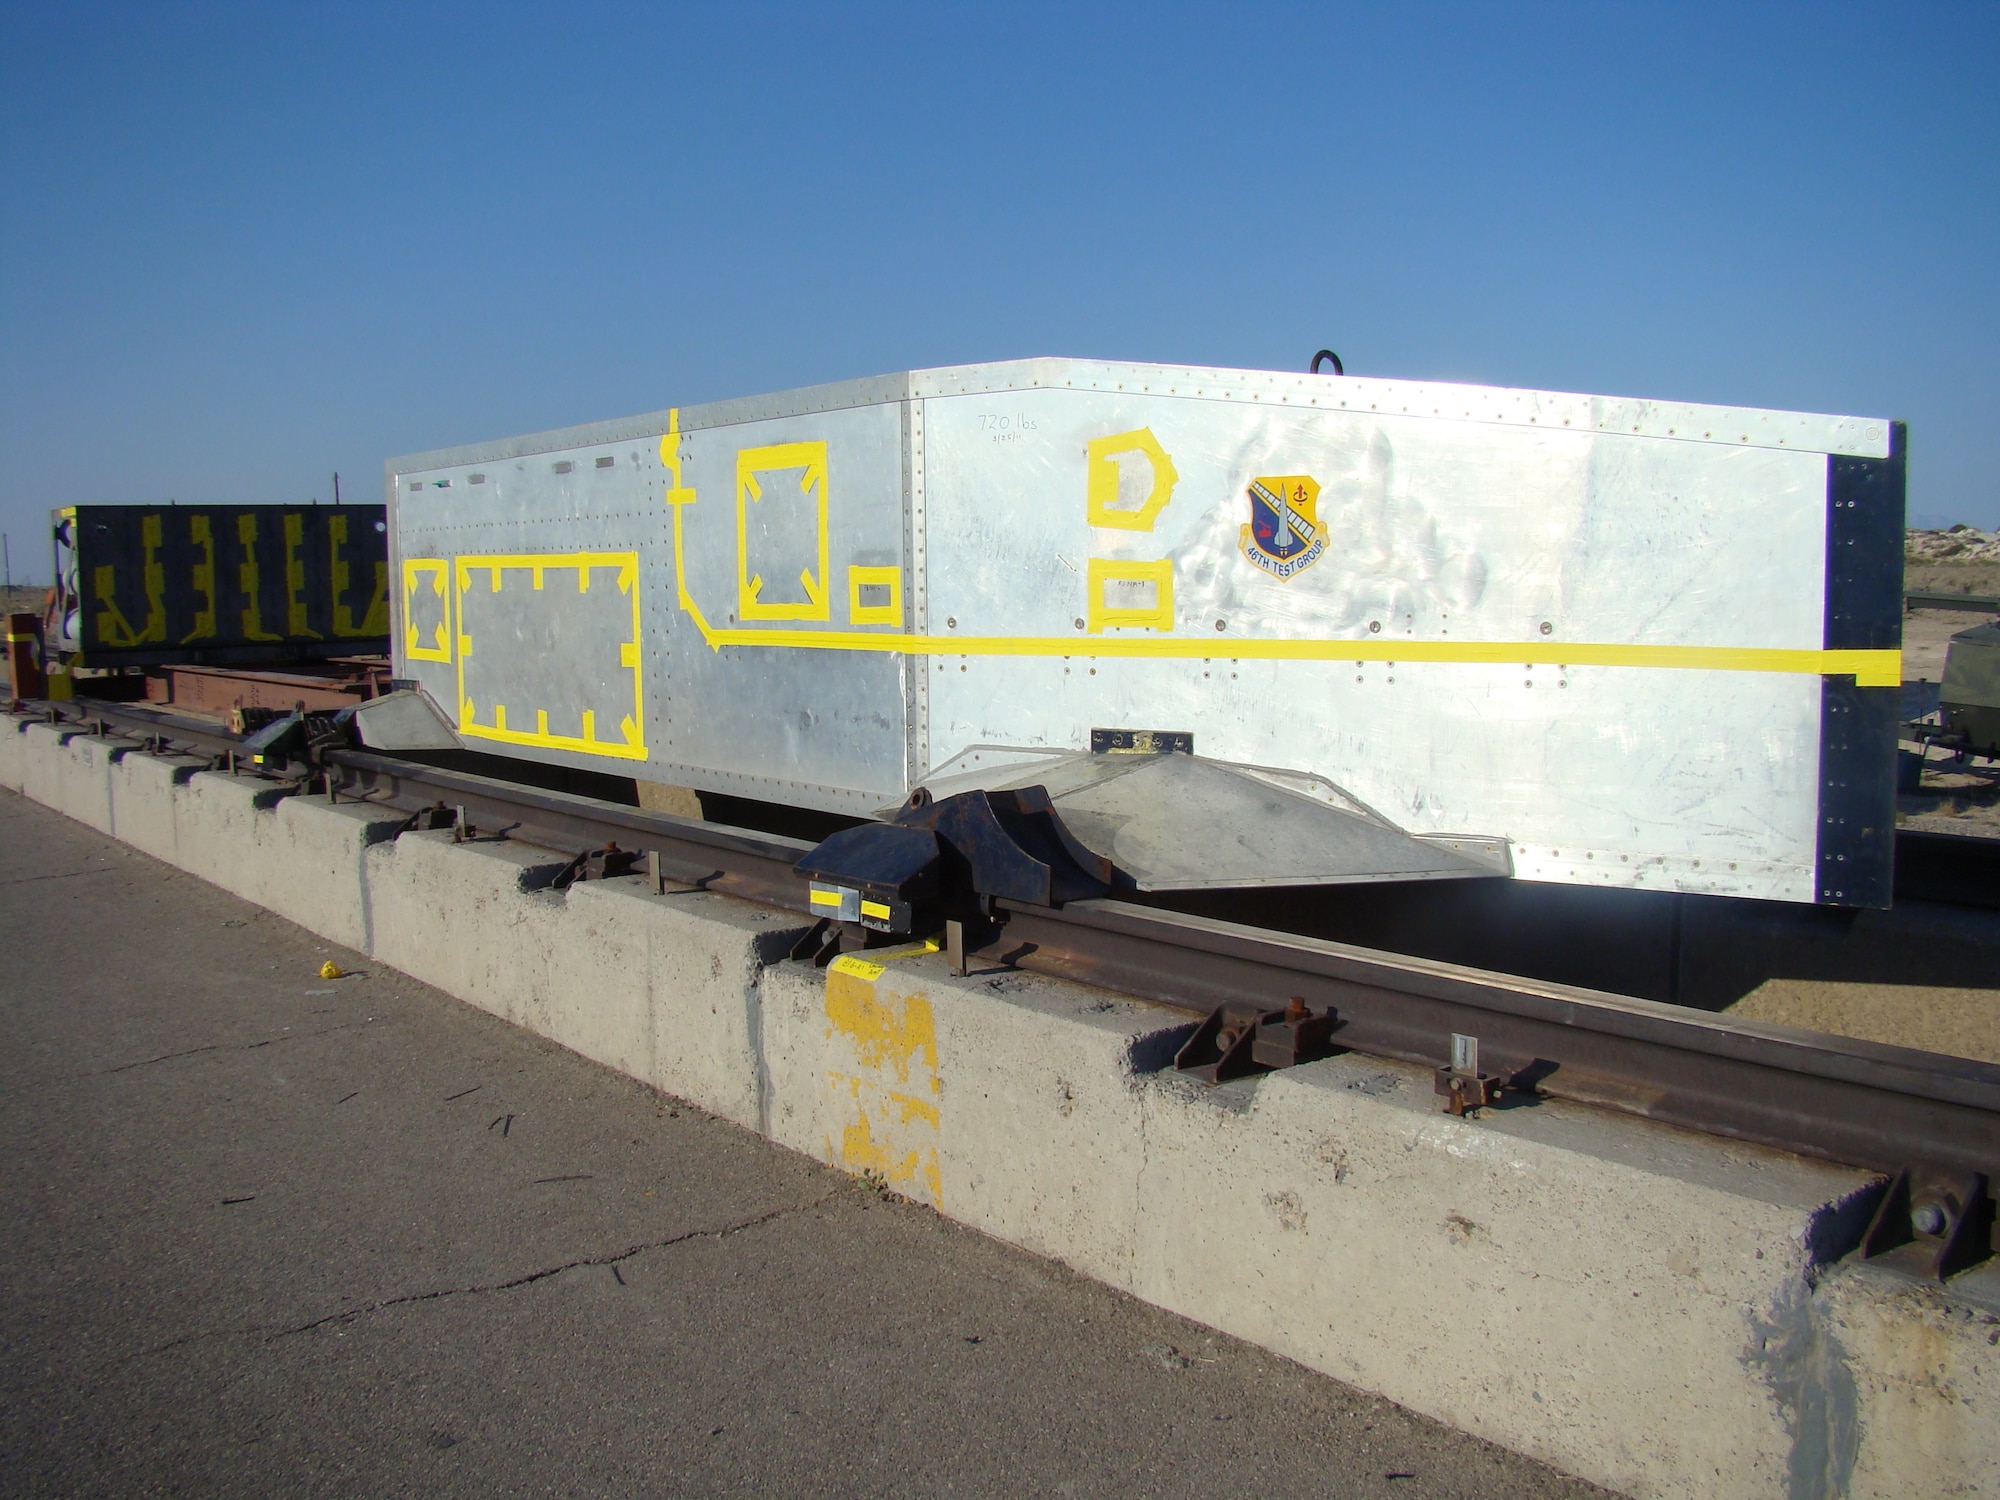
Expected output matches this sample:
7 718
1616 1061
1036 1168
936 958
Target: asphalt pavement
265 1233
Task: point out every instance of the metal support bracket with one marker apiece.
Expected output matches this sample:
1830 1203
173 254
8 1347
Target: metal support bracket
1932 1222
607 863
1236 1041
1461 1085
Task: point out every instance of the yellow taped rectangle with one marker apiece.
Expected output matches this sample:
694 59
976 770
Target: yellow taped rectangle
859 578
433 572
810 458
624 567
1159 615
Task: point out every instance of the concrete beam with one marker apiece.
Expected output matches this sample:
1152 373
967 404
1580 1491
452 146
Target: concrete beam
1640 1306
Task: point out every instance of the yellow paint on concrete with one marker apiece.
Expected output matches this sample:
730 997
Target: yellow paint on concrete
883 1088
912 1171
883 1033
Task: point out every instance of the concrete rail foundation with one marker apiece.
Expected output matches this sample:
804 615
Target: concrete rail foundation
1645 1308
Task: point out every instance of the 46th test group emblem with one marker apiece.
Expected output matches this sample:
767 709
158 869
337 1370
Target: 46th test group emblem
1284 535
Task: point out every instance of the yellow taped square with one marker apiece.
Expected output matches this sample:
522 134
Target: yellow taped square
859 578
1158 615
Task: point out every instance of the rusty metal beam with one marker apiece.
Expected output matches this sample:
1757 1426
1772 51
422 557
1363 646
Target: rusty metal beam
1835 1097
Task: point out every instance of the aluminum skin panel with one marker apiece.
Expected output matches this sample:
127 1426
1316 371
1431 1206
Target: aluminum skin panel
795 521
1436 546
1597 628
793 524
548 651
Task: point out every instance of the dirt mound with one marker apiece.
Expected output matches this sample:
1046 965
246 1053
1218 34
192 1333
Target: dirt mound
1963 560
1964 544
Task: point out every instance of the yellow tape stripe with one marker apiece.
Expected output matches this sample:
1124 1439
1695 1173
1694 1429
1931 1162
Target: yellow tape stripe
824 898
875 909
864 968
1869 668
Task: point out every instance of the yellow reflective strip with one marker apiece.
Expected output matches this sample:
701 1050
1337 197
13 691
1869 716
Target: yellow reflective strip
825 898
874 909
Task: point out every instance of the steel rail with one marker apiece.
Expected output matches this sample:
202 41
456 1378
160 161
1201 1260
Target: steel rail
735 861
1837 1098
1846 1100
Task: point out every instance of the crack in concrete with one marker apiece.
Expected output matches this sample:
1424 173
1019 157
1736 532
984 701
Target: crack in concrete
147 1062
270 1041
168 1346
613 1258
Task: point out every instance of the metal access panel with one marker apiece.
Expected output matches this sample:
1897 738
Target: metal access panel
559 595
1647 645
148 584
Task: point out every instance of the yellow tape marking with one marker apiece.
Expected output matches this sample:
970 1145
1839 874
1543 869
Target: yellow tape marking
750 462
113 629
249 581
859 578
376 620
625 566
1159 615
295 579
873 967
201 533
1101 480
886 1086
418 571
1868 668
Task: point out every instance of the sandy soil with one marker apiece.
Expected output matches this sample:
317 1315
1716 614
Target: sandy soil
1953 577
1956 1022
1963 560
1926 634
1955 797
19 600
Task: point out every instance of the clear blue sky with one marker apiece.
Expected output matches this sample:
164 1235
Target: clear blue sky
243 246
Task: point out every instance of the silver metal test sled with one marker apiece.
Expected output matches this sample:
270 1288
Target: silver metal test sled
1324 628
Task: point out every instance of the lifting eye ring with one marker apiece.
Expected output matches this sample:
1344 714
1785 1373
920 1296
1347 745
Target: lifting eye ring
921 797
1338 368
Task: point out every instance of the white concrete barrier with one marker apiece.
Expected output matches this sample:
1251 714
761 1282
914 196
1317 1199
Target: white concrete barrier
1640 1306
